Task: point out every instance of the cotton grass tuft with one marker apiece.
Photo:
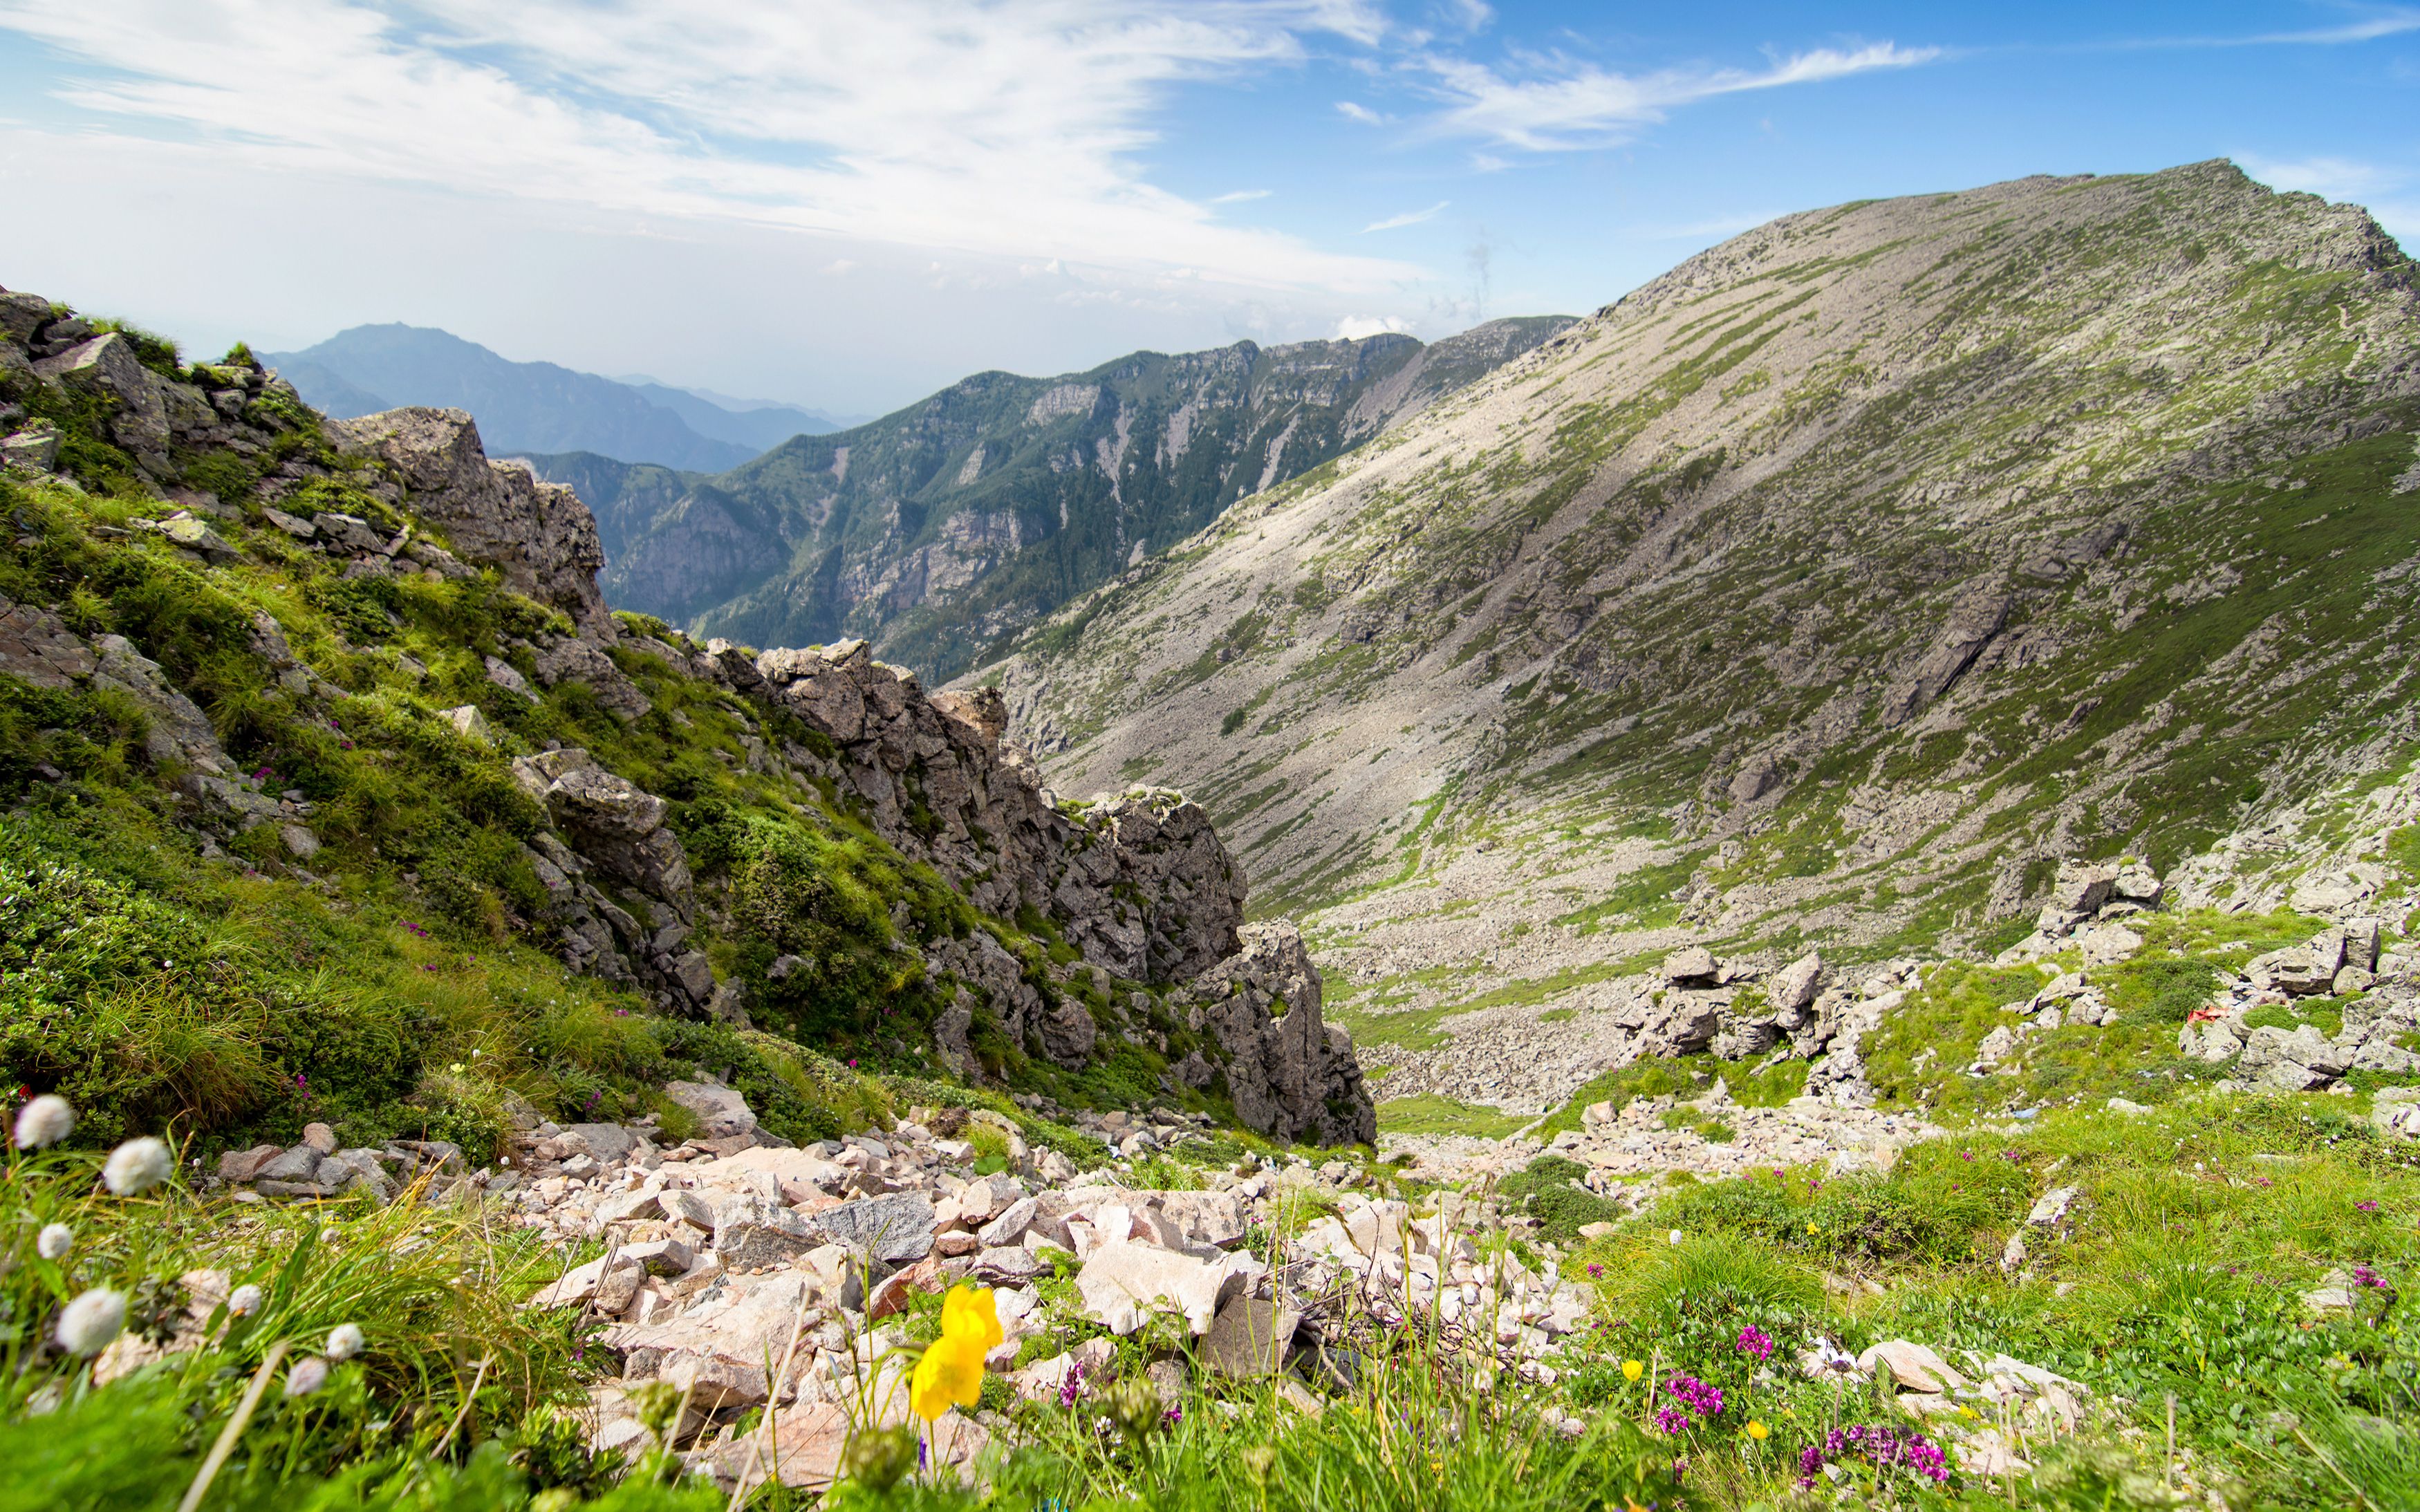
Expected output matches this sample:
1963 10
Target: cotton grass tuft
88 1323
138 1167
44 1121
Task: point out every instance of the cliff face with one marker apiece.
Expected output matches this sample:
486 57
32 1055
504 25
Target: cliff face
800 839
937 531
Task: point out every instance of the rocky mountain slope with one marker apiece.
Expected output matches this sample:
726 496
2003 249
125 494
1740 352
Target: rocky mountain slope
1834 586
938 530
359 659
522 406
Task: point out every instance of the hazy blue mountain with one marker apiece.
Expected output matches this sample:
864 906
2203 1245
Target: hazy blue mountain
521 406
763 423
328 390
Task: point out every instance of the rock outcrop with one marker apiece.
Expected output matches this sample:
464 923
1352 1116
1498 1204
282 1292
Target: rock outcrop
538 535
1291 1074
1139 882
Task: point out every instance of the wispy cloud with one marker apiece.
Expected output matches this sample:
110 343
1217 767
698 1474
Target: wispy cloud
2382 191
1407 217
2389 24
2394 20
1560 105
1236 196
1356 327
2336 178
1353 110
940 124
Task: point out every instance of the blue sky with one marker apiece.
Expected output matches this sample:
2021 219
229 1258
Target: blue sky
848 203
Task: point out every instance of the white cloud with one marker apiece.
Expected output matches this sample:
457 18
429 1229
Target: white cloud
840 265
2378 190
1563 105
1363 114
2392 23
1407 217
2335 178
1470 15
947 125
1236 196
1354 327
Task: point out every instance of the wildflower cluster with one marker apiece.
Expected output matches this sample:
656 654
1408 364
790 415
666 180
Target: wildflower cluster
1695 1399
1756 1341
1884 1448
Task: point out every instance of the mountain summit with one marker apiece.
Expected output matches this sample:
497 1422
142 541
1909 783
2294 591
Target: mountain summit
1836 584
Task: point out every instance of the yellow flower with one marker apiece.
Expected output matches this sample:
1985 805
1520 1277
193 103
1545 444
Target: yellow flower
1758 1432
950 1371
969 1311
1632 1370
1811 1228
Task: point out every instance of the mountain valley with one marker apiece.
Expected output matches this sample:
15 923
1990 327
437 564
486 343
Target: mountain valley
1832 589
951 526
1801 893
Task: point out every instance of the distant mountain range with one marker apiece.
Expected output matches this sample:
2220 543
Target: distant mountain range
942 530
537 406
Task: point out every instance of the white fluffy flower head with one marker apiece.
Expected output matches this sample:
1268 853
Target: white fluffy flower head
88 1323
307 1376
137 1166
345 1342
44 1121
1675 1236
54 1242
243 1300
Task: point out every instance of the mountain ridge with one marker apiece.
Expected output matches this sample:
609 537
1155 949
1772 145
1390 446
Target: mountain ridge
937 530
525 407
1834 585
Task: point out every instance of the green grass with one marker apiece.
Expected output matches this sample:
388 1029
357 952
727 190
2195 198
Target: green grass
1432 1113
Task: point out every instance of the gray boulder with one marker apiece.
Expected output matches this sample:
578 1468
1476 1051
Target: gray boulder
888 1230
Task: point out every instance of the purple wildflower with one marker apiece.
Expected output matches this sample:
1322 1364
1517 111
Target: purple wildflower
1887 1449
1695 1395
2366 1207
1671 1420
1073 1387
1756 1341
